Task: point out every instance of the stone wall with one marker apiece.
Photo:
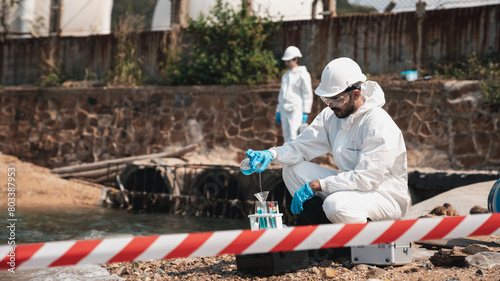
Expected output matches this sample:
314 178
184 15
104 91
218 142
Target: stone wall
446 124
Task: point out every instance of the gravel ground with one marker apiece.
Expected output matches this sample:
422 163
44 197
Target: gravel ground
225 268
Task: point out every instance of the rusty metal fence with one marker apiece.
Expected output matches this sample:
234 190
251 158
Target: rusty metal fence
380 43
29 18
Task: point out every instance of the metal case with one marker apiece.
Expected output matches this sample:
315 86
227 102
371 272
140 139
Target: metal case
382 254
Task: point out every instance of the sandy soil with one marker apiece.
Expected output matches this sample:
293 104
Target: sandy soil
37 186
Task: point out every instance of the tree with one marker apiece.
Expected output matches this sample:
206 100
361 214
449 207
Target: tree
230 48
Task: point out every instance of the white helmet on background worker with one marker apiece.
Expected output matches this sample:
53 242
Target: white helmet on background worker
291 53
339 75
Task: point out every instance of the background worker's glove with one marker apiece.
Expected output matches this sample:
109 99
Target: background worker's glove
302 195
304 118
278 117
259 160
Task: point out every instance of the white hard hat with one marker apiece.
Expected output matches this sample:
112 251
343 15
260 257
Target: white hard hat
291 53
339 75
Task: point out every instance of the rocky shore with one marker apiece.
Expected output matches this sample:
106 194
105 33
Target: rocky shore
479 262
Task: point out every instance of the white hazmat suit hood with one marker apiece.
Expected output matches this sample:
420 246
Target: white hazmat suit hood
367 147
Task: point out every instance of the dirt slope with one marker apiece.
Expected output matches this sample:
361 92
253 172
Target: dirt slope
37 186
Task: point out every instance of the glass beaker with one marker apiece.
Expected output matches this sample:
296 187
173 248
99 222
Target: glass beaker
245 167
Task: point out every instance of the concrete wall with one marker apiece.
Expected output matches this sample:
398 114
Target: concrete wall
445 123
380 43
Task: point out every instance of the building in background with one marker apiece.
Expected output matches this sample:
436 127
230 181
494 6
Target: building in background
168 12
287 10
41 18
409 5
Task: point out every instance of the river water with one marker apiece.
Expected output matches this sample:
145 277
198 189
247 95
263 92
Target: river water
35 225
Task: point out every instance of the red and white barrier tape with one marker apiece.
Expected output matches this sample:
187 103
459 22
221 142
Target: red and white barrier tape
62 253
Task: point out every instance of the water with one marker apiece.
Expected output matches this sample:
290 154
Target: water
245 167
49 224
35 225
88 272
260 182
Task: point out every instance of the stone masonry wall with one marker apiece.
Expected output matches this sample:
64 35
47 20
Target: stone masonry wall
445 123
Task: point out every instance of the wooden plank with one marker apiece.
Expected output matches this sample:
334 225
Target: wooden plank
103 179
103 164
94 173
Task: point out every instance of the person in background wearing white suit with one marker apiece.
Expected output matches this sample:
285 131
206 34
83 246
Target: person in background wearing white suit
366 145
295 98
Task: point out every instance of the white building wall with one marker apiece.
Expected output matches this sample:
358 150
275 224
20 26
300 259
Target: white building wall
287 10
78 18
29 17
162 15
86 17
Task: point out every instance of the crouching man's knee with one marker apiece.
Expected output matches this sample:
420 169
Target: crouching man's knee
340 211
294 176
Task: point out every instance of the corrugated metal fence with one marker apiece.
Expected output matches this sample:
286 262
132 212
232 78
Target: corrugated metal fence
381 43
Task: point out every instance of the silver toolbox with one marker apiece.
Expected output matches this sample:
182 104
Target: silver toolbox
382 254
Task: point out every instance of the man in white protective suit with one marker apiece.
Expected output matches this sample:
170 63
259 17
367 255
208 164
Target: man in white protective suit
295 98
366 145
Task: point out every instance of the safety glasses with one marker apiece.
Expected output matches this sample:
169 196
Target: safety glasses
338 100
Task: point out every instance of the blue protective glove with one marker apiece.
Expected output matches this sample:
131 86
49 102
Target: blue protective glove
259 160
278 117
301 196
304 118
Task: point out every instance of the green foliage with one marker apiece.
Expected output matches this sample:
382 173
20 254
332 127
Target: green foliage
127 70
346 8
52 80
52 73
89 75
491 91
487 71
230 48
171 69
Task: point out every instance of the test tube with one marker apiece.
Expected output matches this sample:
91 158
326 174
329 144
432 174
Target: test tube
261 220
261 209
273 209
